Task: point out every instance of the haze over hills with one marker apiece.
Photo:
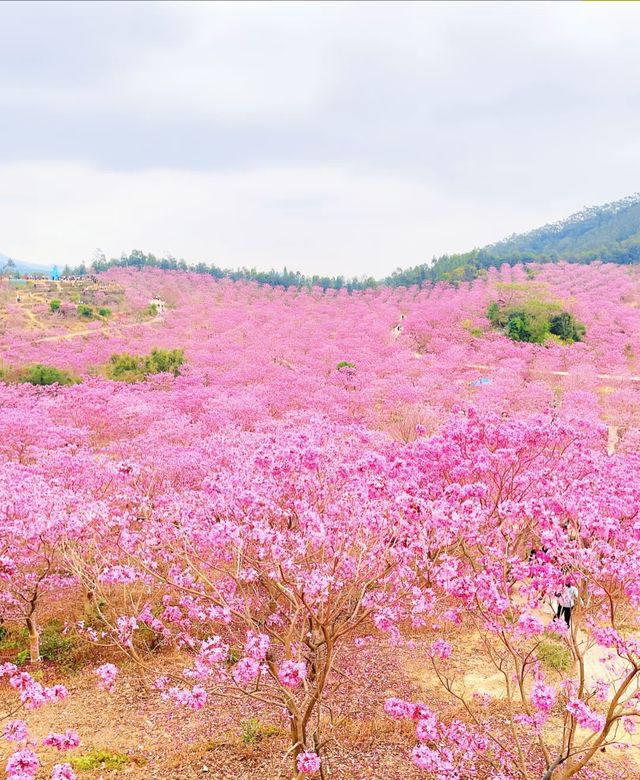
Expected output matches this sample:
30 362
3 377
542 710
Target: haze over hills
610 233
22 266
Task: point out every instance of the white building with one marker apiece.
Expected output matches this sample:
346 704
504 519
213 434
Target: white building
159 304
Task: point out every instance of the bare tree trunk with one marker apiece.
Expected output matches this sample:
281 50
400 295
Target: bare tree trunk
34 640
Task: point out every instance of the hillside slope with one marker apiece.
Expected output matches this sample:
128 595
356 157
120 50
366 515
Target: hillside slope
610 233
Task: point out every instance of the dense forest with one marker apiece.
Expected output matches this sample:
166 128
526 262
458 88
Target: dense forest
610 233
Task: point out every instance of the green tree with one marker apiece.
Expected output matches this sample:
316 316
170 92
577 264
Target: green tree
566 327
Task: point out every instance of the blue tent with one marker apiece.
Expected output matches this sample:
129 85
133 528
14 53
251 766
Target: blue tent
55 274
483 381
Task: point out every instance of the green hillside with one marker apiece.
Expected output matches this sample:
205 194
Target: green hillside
610 233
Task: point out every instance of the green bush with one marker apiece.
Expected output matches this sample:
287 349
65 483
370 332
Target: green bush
39 374
345 364
124 367
526 326
151 310
84 311
55 304
164 361
566 327
103 311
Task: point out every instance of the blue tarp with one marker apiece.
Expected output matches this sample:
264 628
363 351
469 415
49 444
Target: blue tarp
482 381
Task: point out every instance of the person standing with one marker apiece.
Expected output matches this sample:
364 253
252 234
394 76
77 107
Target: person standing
567 599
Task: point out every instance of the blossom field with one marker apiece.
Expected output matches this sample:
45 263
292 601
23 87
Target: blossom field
330 546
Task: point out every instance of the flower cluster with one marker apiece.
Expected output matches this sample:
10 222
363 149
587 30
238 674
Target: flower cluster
107 674
308 762
292 673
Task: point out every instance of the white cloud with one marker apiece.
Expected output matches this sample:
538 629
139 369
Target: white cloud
330 137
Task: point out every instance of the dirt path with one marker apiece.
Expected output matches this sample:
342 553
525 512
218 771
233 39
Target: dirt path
479 676
107 330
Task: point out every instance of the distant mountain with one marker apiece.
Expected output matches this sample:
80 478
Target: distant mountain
610 233
22 267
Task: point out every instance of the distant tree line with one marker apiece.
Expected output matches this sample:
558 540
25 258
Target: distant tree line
284 278
610 233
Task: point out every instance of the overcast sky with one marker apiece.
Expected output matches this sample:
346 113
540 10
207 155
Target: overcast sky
329 137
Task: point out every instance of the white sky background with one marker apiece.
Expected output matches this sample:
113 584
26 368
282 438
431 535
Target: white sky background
330 137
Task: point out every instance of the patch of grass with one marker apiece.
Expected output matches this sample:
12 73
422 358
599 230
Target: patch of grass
22 657
9 639
55 646
471 329
235 654
555 654
101 759
254 730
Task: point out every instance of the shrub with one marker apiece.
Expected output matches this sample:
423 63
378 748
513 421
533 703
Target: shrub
84 311
151 310
345 364
39 374
164 361
525 326
566 327
103 311
124 367
54 305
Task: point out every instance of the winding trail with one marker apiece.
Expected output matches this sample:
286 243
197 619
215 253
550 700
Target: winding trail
108 329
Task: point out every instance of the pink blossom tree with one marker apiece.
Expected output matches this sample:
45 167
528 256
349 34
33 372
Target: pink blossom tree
534 507
293 545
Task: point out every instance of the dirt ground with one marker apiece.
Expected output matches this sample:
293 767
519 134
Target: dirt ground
159 742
